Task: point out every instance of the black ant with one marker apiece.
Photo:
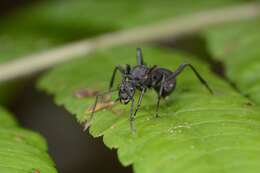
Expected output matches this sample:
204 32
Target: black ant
142 77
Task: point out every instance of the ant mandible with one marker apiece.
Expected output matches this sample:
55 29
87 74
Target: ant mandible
142 77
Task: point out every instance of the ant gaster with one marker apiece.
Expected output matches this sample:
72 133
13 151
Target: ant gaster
142 77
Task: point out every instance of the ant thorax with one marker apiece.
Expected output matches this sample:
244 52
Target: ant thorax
140 73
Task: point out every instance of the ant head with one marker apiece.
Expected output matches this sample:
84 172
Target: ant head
126 91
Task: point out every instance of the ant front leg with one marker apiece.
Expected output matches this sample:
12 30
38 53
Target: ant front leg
117 68
139 101
131 118
180 69
159 96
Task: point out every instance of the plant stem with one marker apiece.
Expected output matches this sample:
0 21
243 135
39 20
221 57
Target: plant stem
170 28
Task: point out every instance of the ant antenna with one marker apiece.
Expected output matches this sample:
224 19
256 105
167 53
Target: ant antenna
95 105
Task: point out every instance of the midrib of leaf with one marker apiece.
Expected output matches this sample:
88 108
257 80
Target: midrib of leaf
196 131
237 46
21 150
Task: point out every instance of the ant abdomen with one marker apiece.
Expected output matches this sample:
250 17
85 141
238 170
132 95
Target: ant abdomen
167 88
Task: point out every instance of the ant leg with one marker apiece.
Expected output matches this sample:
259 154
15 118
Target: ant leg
95 105
121 70
179 70
131 118
139 56
139 101
159 96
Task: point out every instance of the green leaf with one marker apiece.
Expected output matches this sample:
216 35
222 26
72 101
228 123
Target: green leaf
21 150
238 46
196 131
6 119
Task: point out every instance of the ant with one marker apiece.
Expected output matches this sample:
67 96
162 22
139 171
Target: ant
141 77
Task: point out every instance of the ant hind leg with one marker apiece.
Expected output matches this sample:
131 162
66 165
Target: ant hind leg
182 67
